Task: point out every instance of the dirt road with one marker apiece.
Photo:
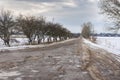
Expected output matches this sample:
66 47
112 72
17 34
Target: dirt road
58 62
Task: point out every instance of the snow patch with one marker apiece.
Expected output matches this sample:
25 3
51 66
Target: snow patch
99 45
3 48
109 42
35 71
5 75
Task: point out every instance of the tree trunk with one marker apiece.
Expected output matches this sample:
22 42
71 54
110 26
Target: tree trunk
43 39
56 39
39 41
30 41
6 42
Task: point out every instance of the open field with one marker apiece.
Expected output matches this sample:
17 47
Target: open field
111 44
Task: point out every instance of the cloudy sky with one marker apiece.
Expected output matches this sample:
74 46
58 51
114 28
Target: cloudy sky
71 13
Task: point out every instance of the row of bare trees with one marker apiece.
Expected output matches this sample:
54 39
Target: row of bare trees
34 28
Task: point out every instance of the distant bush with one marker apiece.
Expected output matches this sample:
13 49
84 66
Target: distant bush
86 31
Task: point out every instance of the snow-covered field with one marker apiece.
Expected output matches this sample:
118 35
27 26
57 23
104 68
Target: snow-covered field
21 43
110 43
15 42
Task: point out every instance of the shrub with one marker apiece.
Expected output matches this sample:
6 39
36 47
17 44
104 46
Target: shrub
86 31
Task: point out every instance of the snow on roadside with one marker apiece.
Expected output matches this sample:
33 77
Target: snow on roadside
93 45
2 49
113 51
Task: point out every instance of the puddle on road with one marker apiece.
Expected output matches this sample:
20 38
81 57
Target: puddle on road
5 75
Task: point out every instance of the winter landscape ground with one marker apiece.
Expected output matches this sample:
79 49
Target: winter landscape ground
74 59
109 43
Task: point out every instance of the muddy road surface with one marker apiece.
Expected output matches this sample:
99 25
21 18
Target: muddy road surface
64 61
57 62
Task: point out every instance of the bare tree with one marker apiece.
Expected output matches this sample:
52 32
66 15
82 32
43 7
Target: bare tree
87 30
111 8
28 26
6 24
40 29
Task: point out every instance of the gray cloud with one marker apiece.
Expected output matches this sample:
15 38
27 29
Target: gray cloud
70 13
42 0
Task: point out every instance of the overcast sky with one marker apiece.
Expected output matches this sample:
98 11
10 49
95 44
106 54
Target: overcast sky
71 13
